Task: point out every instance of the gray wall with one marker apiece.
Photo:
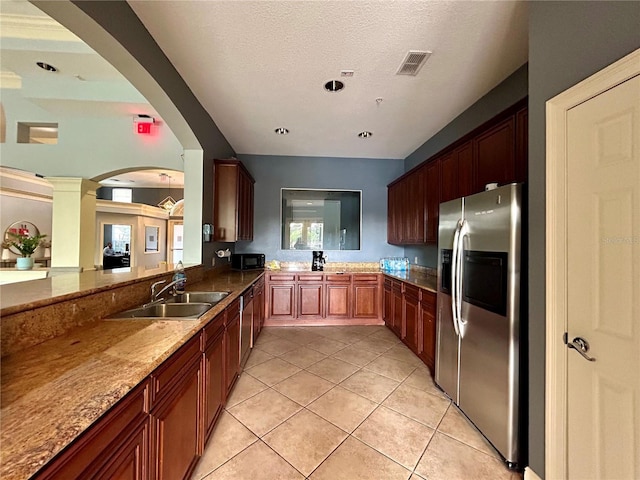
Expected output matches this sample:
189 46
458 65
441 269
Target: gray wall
508 92
568 42
369 175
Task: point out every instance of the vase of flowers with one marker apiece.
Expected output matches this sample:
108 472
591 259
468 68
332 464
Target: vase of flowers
26 245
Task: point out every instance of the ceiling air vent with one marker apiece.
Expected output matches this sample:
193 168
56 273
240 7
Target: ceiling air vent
413 62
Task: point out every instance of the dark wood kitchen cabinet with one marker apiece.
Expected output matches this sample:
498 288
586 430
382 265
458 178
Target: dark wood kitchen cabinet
366 296
310 288
233 202
432 179
456 173
338 295
395 207
427 328
175 414
522 145
495 155
280 298
213 385
410 312
396 299
406 213
323 298
116 447
387 302
232 344
410 316
495 152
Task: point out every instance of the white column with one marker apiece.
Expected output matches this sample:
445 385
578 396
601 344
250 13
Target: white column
73 237
193 178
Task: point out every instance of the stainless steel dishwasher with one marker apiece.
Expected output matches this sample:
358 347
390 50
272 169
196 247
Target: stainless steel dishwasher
246 325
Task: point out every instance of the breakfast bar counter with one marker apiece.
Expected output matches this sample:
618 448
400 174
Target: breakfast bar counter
52 392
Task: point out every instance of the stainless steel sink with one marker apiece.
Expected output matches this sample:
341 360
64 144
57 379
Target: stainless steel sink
198 297
183 311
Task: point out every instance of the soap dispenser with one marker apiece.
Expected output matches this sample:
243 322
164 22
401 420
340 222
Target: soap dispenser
180 278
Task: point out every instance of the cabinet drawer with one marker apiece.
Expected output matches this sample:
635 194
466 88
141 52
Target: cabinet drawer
338 278
211 330
311 277
280 277
164 376
411 291
428 298
232 311
365 278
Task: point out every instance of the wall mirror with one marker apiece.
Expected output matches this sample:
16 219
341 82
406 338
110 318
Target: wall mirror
321 219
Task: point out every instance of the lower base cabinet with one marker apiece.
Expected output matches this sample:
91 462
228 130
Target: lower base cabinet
158 431
175 415
427 329
116 448
232 345
213 384
329 298
174 424
410 313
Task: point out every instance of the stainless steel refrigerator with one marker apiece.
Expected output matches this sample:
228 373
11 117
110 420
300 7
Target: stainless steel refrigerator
479 355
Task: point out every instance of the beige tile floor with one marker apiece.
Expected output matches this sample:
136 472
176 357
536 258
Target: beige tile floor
342 403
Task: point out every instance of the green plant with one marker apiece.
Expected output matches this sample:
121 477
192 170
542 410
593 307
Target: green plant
26 244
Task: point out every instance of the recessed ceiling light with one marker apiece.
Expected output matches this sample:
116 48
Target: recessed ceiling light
365 134
47 67
282 131
333 86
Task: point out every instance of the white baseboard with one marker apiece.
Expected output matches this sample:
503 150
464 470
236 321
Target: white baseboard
530 474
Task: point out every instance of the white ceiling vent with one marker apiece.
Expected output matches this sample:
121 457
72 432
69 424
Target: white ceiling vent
413 62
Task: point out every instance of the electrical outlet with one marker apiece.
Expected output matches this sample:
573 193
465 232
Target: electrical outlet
415 260
213 262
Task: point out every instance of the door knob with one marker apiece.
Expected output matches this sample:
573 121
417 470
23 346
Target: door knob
582 347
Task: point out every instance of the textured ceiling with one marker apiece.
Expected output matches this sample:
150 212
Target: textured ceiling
259 65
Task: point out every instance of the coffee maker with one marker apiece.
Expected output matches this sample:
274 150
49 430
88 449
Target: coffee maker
317 264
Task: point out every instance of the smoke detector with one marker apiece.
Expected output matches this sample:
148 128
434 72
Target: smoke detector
413 62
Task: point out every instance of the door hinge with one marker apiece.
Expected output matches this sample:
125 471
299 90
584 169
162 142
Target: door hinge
565 338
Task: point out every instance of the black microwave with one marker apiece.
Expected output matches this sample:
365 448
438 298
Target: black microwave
247 261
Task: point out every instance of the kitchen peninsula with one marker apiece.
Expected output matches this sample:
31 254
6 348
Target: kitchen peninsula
55 389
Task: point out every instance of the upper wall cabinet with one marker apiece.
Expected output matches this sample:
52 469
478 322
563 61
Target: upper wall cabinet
496 152
233 202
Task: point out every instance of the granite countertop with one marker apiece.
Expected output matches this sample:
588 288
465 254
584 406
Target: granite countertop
418 277
15 297
52 392
422 277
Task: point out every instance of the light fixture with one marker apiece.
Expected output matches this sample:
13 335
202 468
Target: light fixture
47 67
168 202
333 86
282 131
365 134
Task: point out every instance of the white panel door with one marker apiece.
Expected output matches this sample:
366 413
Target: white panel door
603 278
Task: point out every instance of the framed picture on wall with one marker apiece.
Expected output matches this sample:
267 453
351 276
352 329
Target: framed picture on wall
151 238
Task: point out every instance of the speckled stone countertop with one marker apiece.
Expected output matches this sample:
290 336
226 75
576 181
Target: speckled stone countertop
16 297
423 278
52 392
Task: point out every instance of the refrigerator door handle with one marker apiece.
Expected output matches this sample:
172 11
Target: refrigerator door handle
454 278
462 233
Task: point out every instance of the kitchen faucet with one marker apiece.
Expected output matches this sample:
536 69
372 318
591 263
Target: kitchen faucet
155 297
